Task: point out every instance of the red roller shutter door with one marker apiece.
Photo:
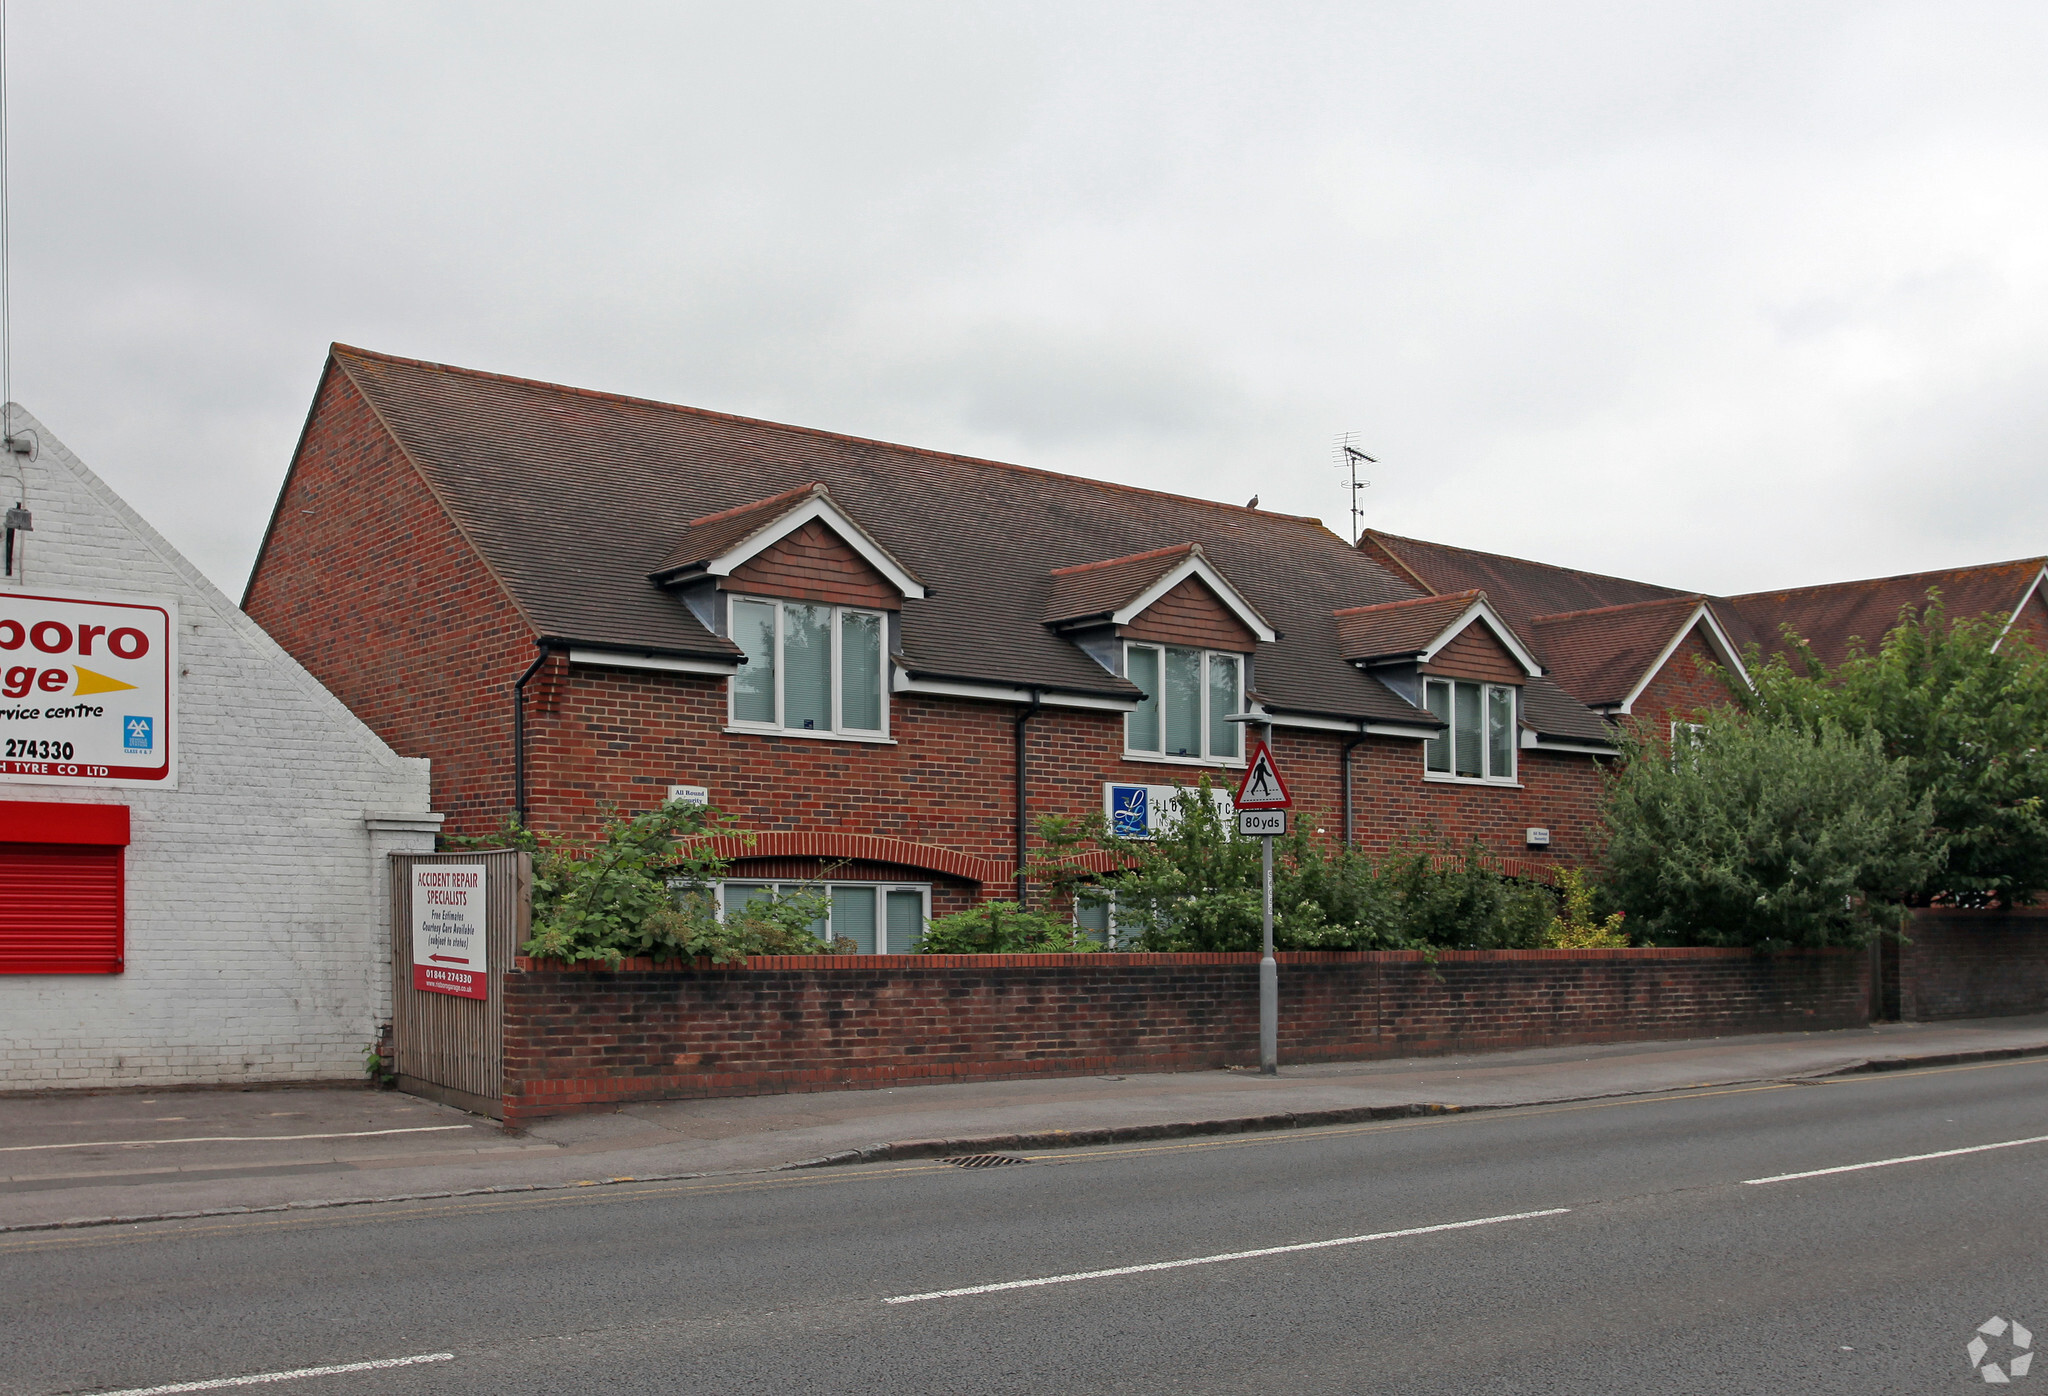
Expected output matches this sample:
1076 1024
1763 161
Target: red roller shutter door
62 902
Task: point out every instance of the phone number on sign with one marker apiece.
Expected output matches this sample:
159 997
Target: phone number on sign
38 751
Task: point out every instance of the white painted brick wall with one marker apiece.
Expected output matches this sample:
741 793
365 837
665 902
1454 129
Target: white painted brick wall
256 940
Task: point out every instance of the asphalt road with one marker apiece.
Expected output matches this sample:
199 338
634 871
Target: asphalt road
1666 1272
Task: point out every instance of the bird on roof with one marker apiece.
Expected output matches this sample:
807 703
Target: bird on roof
1253 503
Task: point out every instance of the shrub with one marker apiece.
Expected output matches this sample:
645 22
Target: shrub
1574 926
633 890
1197 886
1963 708
1003 928
1763 834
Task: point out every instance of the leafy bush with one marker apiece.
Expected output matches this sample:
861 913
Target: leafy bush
1197 886
692 929
1575 926
1964 710
1763 834
1003 928
633 890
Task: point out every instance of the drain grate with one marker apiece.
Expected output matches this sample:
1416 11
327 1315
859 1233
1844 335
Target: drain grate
984 1160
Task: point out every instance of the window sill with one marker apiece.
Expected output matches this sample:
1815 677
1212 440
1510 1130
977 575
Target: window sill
1433 778
737 730
1230 763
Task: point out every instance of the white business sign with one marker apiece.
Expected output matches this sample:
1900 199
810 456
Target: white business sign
88 690
448 955
1146 811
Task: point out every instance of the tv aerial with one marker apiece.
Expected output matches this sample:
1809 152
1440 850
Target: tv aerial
1347 456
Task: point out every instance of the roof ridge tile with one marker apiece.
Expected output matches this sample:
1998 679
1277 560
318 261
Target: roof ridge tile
722 515
1973 569
1692 599
1126 559
1468 595
817 432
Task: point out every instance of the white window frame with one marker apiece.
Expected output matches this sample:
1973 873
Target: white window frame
836 732
1450 734
1105 896
1686 737
881 890
1160 648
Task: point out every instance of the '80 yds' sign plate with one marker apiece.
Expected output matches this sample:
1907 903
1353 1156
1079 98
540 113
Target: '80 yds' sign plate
86 690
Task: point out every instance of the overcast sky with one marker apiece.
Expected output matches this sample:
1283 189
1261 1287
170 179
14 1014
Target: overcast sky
1724 296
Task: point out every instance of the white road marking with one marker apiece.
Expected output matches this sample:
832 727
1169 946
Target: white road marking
263 1377
1889 1162
231 1139
1219 1259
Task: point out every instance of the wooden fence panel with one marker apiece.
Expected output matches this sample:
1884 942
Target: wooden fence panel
448 1048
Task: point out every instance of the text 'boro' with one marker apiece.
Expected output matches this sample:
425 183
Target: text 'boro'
90 690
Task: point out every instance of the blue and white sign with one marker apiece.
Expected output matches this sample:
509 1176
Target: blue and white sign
1146 811
140 733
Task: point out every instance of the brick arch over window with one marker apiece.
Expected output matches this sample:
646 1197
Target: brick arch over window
867 848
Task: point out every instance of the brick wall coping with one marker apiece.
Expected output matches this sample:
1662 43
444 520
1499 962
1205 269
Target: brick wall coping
867 848
527 964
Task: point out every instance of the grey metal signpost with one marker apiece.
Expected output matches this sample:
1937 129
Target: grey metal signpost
1269 976
1262 803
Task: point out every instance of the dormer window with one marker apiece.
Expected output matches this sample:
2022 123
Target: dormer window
1478 740
810 668
1189 696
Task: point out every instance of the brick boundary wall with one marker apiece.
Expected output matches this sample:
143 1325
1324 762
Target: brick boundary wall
1974 964
581 1038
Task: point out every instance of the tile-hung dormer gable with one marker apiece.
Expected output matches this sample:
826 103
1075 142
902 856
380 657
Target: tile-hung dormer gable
1606 657
798 544
811 599
1454 656
1170 622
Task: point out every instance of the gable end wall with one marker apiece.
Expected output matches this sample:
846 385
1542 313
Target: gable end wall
366 582
1683 688
2031 624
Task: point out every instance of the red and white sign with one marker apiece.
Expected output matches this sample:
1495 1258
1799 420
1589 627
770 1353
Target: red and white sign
1262 787
448 955
86 690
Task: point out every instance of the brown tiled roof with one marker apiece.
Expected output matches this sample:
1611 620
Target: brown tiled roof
1099 588
1556 713
1599 656
1518 589
1398 629
706 538
1833 617
572 497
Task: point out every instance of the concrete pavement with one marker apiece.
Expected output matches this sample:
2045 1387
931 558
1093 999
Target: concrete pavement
71 1158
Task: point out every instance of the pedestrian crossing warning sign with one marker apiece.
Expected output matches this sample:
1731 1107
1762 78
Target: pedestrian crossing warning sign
1263 788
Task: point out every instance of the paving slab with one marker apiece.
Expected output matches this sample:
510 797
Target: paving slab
68 1157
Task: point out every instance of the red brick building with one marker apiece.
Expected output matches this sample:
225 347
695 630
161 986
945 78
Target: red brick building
887 661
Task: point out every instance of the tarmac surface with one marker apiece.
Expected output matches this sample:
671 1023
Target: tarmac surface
74 1158
1863 1234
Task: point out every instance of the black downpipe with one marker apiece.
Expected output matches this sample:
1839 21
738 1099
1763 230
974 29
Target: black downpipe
1023 894
1344 766
519 735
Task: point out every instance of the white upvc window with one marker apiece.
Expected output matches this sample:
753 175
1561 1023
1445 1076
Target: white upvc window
1095 915
810 668
1478 740
880 918
1189 697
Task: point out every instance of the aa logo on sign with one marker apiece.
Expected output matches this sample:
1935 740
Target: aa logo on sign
140 733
